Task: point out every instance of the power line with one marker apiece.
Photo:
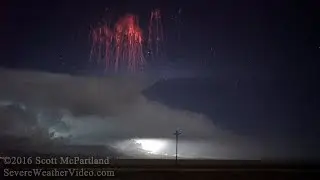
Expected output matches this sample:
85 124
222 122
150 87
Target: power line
177 133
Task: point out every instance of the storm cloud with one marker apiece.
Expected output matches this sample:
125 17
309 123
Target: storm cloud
99 109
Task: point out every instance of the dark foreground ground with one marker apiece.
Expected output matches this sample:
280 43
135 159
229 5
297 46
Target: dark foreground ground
159 169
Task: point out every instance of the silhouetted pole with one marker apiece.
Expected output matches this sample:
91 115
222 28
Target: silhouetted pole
177 133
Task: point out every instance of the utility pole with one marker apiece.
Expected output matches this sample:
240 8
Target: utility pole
177 133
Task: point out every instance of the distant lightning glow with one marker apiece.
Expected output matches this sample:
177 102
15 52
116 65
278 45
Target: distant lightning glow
153 146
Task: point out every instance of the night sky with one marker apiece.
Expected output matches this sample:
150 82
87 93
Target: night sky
263 55
272 34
